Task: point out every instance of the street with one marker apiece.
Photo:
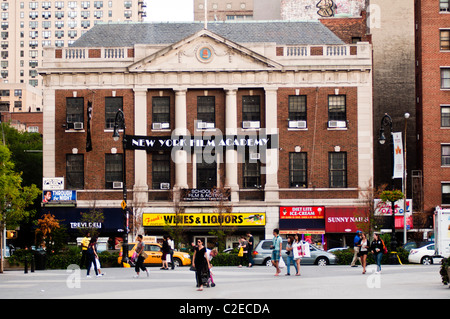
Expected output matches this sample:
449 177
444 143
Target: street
250 284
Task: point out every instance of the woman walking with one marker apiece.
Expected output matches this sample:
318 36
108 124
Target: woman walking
200 262
165 252
91 257
140 257
243 245
377 249
297 253
363 251
290 255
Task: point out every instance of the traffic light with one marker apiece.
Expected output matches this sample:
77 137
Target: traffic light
11 234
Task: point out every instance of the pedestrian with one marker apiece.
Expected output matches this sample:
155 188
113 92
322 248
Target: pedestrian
84 247
356 247
165 252
172 247
140 253
243 256
377 248
250 246
91 256
200 262
363 251
276 252
297 252
290 255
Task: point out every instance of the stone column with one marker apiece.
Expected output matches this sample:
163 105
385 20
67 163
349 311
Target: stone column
271 160
180 156
231 164
140 189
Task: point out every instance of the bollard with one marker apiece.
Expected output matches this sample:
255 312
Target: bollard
25 271
33 263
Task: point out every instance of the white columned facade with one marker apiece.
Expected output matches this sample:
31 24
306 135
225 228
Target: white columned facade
140 188
180 157
231 158
271 165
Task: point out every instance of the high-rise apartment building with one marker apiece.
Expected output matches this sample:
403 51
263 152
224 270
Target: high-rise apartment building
27 26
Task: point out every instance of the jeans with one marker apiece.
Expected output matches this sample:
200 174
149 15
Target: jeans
378 258
288 264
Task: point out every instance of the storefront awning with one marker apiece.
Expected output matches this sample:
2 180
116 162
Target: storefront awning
346 219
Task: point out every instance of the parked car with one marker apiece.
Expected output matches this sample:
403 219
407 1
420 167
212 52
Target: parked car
154 253
413 245
263 253
337 249
423 255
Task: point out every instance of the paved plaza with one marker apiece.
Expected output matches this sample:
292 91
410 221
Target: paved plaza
257 283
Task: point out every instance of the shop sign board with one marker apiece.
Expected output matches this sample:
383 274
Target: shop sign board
203 219
59 196
302 212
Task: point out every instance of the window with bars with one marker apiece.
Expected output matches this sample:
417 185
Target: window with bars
75 171
297 107
251 108
298 169
161 109
337 169
337 108
112 105
160 169
74 109
113 169
206 109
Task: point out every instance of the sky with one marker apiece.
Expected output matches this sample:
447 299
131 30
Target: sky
169 10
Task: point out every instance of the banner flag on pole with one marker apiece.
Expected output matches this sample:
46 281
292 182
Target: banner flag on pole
398 155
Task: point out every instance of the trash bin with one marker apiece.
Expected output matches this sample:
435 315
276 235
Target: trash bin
40 259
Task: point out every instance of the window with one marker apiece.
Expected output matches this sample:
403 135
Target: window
445 193
444 5
74 109
113 169
160 169
206 170
161 110
75 171
445 116
251 108
112 105
338 169
206 109
445 39
445 155
297 169
297 108
337 108
445 78
252 174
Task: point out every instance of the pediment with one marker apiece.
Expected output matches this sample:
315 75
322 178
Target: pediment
202 51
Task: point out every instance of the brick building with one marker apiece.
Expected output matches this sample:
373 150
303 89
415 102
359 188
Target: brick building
278 113
433 93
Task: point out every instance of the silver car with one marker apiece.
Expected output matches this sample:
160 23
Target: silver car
263 253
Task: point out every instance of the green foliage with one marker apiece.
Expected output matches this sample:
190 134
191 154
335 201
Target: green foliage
443 271
391 196
225 260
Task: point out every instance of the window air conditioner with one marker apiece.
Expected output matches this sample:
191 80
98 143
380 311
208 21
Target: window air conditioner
164 185
337 124
255 156
117 185
78 126
160 126
250 124
297 124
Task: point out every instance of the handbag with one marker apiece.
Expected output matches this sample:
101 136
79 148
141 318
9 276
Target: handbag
281 263
144 254
241 252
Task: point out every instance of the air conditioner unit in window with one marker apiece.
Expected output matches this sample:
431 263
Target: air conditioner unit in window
160 126
201 125
164 185
255 156
297 124
78 126
251 124
337 124
117 185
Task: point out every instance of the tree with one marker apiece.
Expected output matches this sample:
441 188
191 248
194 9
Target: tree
46 228
14 199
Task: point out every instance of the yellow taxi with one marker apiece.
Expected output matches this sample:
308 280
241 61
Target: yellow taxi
154 254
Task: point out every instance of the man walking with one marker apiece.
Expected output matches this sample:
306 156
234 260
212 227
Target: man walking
356 248
250 249
84 247
276 252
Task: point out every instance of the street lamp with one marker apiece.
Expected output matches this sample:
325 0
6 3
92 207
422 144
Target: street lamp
119 123
387 121
405 175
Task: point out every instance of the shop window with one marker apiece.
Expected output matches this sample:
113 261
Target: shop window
75 171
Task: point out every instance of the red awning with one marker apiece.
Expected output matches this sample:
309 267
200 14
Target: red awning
345 219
